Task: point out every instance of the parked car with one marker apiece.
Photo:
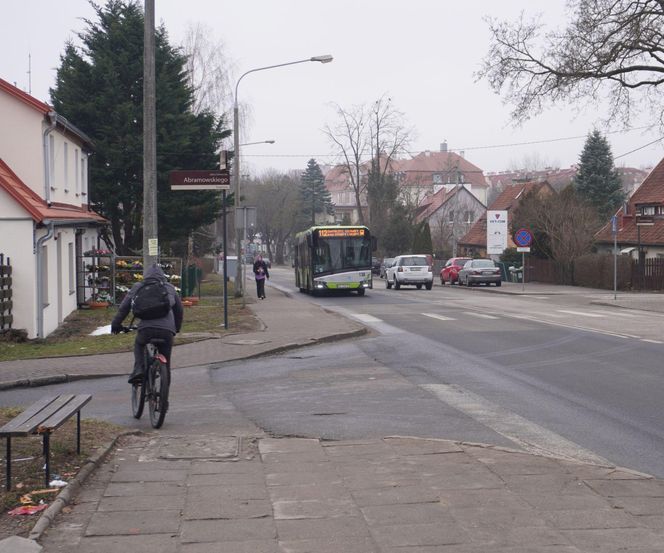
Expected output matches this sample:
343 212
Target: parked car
387 261
375 266
477 271
450 272
413 270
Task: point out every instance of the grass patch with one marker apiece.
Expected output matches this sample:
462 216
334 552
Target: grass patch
28 466
73 336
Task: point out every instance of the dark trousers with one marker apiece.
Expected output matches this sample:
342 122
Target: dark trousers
143 336
260 287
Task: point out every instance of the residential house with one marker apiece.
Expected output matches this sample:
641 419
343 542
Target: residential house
428 172
640 222
474 242
419 177
45 220
451 213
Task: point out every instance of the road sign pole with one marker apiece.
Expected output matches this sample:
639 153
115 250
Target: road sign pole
614 229
523 271
225 263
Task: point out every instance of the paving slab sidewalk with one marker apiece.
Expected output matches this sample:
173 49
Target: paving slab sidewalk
396 494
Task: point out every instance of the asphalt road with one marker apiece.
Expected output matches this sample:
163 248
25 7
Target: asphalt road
546 374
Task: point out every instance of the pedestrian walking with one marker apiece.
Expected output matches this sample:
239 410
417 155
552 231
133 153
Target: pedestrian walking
261 274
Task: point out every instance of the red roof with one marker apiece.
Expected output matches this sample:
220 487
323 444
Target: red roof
651 192
432 203
29 200
425 164
25 97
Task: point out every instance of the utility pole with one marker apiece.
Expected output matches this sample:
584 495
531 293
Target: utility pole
150 233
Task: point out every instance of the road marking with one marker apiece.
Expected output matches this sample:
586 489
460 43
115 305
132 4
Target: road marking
529 435
480 315
580 313
439 317
575 327
652 341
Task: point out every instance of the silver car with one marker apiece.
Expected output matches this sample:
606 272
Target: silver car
478 271
412 270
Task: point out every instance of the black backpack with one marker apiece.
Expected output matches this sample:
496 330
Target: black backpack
151 300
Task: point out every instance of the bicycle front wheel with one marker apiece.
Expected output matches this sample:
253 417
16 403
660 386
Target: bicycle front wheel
158 382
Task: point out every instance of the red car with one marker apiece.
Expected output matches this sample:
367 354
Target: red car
450 272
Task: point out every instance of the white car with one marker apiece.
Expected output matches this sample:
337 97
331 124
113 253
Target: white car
409 270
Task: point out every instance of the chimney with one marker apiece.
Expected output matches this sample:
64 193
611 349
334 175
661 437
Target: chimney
443 146
462 154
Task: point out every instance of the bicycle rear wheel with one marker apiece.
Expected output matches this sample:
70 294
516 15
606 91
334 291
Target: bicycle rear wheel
138 395
158 383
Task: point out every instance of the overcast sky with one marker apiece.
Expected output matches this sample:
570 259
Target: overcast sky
420 53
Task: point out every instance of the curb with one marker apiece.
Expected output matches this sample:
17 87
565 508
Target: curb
69 491
48 380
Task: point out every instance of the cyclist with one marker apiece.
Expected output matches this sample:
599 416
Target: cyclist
164 327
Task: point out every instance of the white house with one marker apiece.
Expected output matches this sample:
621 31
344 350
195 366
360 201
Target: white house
45 221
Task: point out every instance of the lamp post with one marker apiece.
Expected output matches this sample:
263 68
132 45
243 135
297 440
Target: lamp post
259 142
236 161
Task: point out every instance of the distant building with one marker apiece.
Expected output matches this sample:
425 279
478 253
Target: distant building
474 242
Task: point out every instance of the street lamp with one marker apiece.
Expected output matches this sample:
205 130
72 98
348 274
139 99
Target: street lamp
236 160
259 142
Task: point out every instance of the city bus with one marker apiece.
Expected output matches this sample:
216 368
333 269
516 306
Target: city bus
330 258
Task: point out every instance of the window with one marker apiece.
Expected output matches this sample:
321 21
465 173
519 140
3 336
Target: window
451 219
72 267
44 276
437 178
648 210
65 166
468 216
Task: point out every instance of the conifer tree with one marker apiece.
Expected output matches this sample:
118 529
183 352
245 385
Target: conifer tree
597 180
316 198
99 88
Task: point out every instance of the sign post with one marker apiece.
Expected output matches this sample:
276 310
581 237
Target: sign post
207 180
614 231
523 238
496 232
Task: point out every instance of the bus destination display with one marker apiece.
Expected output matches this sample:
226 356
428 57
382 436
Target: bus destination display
341 232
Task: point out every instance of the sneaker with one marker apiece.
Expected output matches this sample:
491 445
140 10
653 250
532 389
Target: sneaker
135 377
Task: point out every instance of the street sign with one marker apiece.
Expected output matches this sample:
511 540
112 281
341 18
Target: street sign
523 238
199 180
523 249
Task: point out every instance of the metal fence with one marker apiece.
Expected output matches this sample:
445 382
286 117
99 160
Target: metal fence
6 303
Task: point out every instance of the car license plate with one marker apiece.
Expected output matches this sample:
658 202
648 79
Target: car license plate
487 272
414 269
342 286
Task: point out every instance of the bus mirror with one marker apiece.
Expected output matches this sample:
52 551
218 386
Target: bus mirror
374 244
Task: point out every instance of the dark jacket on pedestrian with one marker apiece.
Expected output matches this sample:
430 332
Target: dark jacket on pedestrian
260 268
172 321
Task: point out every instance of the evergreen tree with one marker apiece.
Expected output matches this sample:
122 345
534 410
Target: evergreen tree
597 180
315 197
99 87
422 242
398 236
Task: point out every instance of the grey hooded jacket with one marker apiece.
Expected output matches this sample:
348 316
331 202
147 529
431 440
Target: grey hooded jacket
172 321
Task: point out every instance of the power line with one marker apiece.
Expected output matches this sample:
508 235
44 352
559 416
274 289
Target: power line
487 147
640 148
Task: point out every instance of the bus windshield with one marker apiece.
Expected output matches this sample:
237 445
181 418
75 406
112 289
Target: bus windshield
341 254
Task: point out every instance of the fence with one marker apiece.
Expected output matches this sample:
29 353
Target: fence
6 303
596 271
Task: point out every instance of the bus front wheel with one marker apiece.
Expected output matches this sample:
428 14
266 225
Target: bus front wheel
360 291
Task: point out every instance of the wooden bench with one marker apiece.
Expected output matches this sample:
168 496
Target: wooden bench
43 417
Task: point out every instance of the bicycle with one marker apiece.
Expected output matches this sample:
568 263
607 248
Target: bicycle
155 384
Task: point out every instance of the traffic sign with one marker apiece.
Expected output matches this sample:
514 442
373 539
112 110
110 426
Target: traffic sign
523 238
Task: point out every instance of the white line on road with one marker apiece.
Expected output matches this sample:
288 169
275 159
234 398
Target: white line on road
366 318
652 341
527 434
439 317
575 327
580 313
480 315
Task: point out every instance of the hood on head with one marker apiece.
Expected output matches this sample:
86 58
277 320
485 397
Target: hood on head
154 271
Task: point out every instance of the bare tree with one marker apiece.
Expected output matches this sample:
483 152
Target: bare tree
209 70
352 144
612 46
277 200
